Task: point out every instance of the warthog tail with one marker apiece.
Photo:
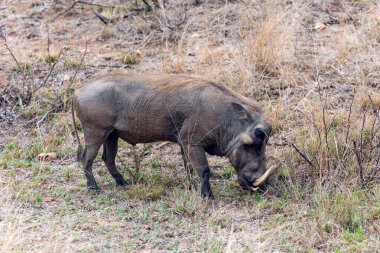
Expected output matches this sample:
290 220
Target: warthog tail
80 148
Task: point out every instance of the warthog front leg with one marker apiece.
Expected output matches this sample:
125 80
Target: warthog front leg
198 160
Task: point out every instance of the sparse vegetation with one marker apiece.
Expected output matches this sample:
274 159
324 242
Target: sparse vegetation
313 67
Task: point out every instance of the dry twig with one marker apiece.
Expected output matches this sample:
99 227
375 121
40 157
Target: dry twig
302 155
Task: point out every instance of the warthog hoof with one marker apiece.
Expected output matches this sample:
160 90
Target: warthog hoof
121 182
93 187
208 194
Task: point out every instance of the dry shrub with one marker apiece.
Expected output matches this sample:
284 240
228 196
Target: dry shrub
371 25
336 211
270 49
107 33
131 57
175 65
276 115
261 49
367 98
223 65
337 146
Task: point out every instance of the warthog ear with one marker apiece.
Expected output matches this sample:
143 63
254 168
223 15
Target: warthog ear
241 112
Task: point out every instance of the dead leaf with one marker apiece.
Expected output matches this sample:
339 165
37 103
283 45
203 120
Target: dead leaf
47 156
319 26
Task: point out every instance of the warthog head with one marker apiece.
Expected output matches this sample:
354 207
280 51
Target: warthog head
246 151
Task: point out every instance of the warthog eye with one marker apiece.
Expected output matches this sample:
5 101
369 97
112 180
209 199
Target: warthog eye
259 137
259 134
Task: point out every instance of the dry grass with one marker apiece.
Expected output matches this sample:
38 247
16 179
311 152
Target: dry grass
319 87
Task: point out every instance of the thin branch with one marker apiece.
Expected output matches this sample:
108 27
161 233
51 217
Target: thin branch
323 104
25 96
331 123
374 107
312 122
48 43
302 155
54 109
349 117
133 176
377 117
14 58
359 162
151 149
362 128
50 71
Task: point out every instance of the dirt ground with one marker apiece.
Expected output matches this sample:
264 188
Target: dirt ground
314 67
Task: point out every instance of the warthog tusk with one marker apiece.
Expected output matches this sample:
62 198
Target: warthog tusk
254 188
264 177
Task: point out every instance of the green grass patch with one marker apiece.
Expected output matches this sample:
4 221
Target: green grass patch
144 192
49 58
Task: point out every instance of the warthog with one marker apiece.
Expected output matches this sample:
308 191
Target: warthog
198 114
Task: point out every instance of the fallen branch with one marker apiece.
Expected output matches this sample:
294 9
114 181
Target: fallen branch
105 20
154 148
82 2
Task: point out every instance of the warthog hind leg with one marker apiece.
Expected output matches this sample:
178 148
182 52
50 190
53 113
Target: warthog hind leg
189 169
88 156
94 138
109 155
